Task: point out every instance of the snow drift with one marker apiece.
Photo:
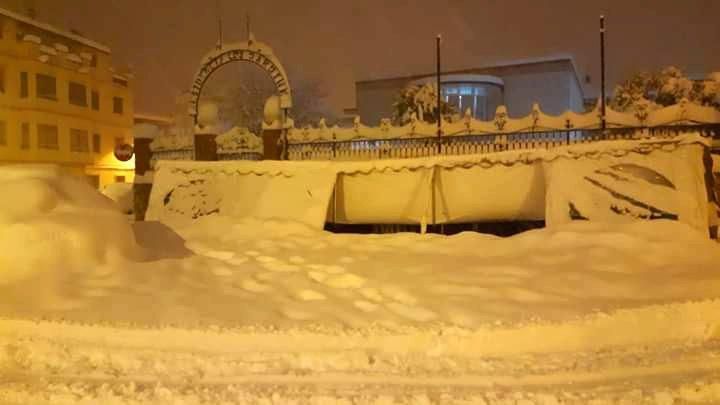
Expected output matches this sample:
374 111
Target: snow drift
269 311
243 310
53 222
122 195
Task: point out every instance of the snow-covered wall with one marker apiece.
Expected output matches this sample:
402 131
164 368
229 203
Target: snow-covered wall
263 189
607 181
666 183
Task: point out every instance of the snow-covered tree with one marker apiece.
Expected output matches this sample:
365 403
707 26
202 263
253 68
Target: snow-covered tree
420 100
241 93
710 92
310 103
653 90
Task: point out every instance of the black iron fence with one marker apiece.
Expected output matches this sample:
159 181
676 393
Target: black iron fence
239 156
364 149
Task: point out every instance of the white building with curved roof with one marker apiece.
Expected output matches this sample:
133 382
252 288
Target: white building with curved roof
553 82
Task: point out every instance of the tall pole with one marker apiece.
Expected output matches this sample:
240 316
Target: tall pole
439 93
602 73
220 29
247 25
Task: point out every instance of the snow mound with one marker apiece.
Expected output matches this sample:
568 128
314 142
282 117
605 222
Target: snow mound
50 220
122 194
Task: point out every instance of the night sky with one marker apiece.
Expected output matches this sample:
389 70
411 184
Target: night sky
339 41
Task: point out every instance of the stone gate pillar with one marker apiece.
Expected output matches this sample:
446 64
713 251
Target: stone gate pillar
272 149
206 131
205 147
275 122
143 136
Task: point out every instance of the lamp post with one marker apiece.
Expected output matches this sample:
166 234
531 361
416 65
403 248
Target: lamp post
602 74
439 93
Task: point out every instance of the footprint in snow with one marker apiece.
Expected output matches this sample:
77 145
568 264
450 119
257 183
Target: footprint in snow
365 306
280 267
222 271
410 312
254 286
310 295
348 280
296 260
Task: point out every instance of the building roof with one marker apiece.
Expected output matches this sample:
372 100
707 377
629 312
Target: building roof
511 63
49 28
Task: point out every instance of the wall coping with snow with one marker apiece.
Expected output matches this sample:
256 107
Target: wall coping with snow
168 142
593 150
684 113
236 140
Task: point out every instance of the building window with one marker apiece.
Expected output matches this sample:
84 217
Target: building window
96 143
78 94
2 79
3 133
117 105
25 136
79 141
467 97
46 87
47 137
24 91
119 179
95 100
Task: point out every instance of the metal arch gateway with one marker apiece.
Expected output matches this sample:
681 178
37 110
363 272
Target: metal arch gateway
250 51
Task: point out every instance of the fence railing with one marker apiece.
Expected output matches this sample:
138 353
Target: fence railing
176 154
239 156
364 149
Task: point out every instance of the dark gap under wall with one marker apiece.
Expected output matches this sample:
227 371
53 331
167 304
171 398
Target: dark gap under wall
507 228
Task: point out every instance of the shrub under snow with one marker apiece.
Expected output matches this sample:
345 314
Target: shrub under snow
652 90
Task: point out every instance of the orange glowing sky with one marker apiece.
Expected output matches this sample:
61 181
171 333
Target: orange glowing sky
339 41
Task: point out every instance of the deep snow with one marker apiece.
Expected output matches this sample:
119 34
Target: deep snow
222 310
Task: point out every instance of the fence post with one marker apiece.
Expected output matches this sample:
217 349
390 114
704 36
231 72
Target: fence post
206 147
142 185
271 147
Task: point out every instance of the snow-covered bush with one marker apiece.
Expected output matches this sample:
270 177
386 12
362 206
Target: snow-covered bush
239 139
420 100
241 92
647 91
172 140
711 90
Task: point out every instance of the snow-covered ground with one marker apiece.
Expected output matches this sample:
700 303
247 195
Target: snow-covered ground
225 311
121 194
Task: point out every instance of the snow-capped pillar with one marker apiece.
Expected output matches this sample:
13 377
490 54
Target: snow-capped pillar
713 193
205 133
143 136
275 124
